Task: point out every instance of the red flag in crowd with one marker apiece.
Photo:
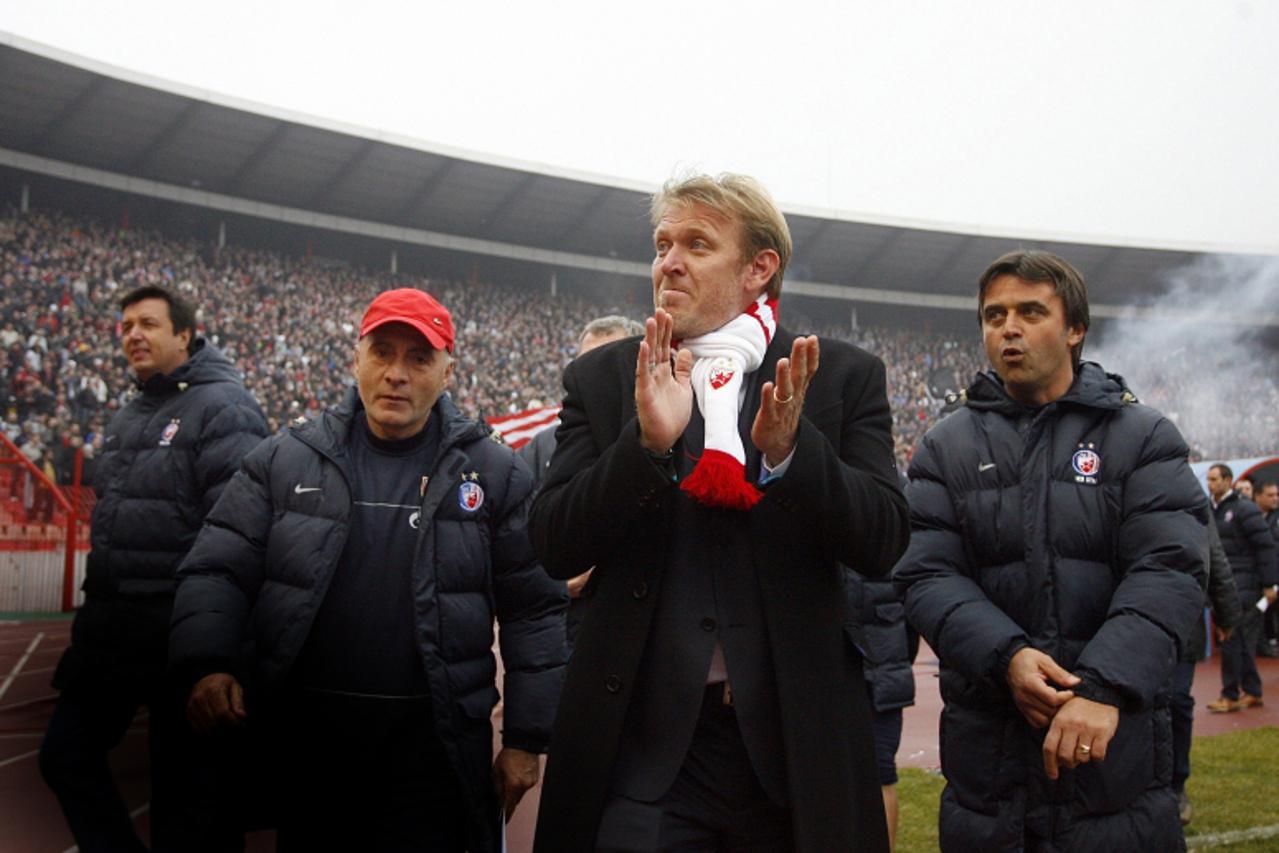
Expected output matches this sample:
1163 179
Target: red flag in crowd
518 429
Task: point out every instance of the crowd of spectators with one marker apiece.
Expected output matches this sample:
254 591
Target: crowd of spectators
289 323
1223 394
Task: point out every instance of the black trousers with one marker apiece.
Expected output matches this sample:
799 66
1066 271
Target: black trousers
1182 706
716 804
187 811
359 773
1238 664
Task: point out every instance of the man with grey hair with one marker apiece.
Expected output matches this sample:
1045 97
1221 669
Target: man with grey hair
537 453
368 552
596 333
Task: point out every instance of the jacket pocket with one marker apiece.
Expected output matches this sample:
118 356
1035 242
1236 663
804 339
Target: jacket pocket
479 704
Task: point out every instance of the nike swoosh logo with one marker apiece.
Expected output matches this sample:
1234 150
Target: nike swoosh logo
985 466
300 489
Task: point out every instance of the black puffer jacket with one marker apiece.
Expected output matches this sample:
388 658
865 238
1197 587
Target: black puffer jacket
267 554
878 622
167 456
1077 529
1248 544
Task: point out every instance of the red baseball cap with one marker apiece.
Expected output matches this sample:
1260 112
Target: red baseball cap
415 308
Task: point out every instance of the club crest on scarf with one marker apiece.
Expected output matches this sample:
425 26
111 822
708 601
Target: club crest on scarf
721 360
721 373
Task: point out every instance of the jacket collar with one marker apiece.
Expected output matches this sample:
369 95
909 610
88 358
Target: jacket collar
1092 388
330 432
205 364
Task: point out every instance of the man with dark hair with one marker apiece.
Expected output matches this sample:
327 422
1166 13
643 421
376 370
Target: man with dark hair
1046 268
1056 564
1268 503
368 552
717 479
167 456
1250 547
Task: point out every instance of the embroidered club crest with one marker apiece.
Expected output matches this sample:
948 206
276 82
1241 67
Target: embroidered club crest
1086 463
721 373
470 496
166 437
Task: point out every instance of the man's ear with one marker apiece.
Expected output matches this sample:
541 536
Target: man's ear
1075 336
760 271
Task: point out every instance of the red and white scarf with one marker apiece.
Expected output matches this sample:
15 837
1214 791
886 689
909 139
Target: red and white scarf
722 359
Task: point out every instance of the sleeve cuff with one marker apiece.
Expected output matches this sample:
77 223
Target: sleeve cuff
523 741
1006 657
1095 692
768 474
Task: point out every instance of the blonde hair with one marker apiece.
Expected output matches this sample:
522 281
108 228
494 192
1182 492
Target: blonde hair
740 198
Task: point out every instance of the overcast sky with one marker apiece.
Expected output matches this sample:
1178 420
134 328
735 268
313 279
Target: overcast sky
1152 123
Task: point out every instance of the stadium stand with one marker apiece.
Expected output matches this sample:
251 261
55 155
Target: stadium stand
289 323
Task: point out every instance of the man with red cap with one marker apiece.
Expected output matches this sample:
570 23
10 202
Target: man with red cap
362 558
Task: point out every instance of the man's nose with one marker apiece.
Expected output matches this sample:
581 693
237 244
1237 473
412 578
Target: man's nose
397 371
672 262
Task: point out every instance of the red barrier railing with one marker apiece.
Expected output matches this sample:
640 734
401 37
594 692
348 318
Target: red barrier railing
31 504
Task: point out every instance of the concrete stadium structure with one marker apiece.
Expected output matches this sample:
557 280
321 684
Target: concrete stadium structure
73 130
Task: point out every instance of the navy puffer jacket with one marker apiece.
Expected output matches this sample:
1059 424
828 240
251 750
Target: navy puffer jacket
166 458
267 553
1077 529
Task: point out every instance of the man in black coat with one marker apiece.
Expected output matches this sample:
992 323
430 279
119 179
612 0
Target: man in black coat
716 479
364 555
167 457
1250 547
1056 565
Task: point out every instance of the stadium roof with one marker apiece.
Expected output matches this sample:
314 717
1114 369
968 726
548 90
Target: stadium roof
74 118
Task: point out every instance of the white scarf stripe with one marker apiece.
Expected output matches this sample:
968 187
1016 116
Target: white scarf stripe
722 358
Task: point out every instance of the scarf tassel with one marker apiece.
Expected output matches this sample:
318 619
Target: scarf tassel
719 480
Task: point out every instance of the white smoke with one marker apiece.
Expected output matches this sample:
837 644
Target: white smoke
1202 353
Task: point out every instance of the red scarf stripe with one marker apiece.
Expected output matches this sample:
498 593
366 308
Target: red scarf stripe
753 311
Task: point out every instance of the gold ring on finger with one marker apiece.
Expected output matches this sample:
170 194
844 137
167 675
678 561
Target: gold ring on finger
779 400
